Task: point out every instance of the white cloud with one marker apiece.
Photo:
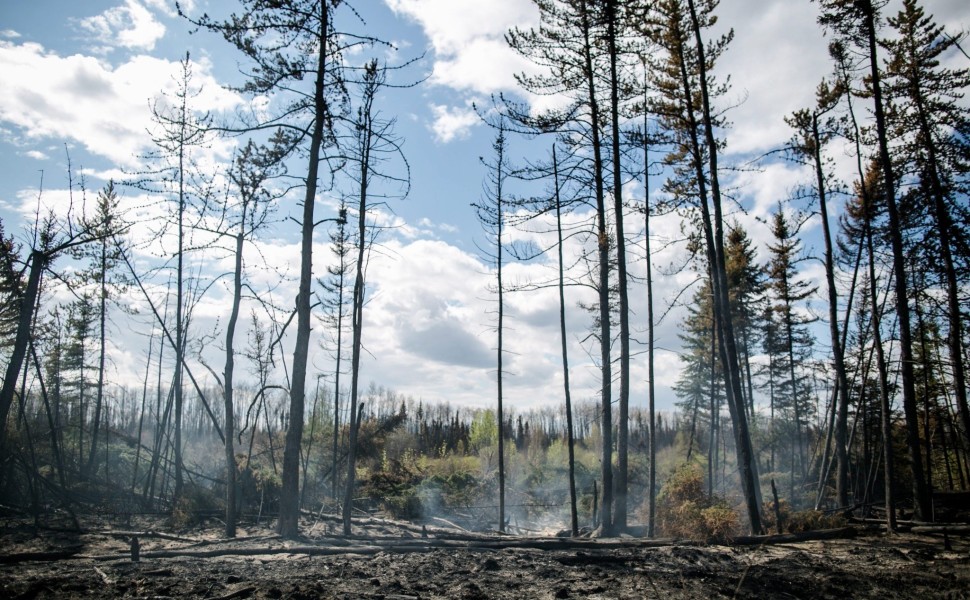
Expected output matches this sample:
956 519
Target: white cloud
453 122
37 155
105 108
769 87
168 6
130 26
9 34
468 39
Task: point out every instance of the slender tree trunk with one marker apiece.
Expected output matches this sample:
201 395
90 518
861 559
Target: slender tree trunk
358 313
886 414
55 446
38 262
179 301
623 424
920 489
570 442
798 442
842 400
288 526
228 383
336 377
141 414
501 327
651 387
102 344
603 246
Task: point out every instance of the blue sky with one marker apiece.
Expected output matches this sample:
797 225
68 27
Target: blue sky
82 74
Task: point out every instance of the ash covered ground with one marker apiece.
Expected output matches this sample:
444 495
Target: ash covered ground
397 561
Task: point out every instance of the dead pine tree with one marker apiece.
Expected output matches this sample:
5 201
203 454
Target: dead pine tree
570 439
374 151
175 175
252 169
568 40
812 133
271 34
491 211
684 103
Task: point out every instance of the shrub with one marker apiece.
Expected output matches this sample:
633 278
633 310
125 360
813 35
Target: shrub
798 521
393 491
196 504
811 520
685 510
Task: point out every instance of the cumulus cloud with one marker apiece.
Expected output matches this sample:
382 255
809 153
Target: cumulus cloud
468 39
453 122
168 6
105 108
130 26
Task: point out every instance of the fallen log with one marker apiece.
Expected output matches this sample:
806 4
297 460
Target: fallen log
789 538
149 534
948 529
301 550
11 559
397 546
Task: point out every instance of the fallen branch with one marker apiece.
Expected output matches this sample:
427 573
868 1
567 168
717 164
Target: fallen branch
789 538
450 524
150 534
400 546
10 559
954 529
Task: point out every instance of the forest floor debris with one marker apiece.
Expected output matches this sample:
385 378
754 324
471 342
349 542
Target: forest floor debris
389 560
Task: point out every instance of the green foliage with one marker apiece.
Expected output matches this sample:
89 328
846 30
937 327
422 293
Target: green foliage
484 430
393 490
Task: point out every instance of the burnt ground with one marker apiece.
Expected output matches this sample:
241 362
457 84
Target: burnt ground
395 561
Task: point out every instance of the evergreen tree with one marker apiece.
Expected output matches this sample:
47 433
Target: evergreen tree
11 288
746 287
76 365
103 273
927 114
699 385
856 22
794 342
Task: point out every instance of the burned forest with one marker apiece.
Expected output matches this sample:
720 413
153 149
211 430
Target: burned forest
551 298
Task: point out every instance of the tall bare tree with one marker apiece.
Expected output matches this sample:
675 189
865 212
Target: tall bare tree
252 170
372 144
565 45
285 41
491 212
